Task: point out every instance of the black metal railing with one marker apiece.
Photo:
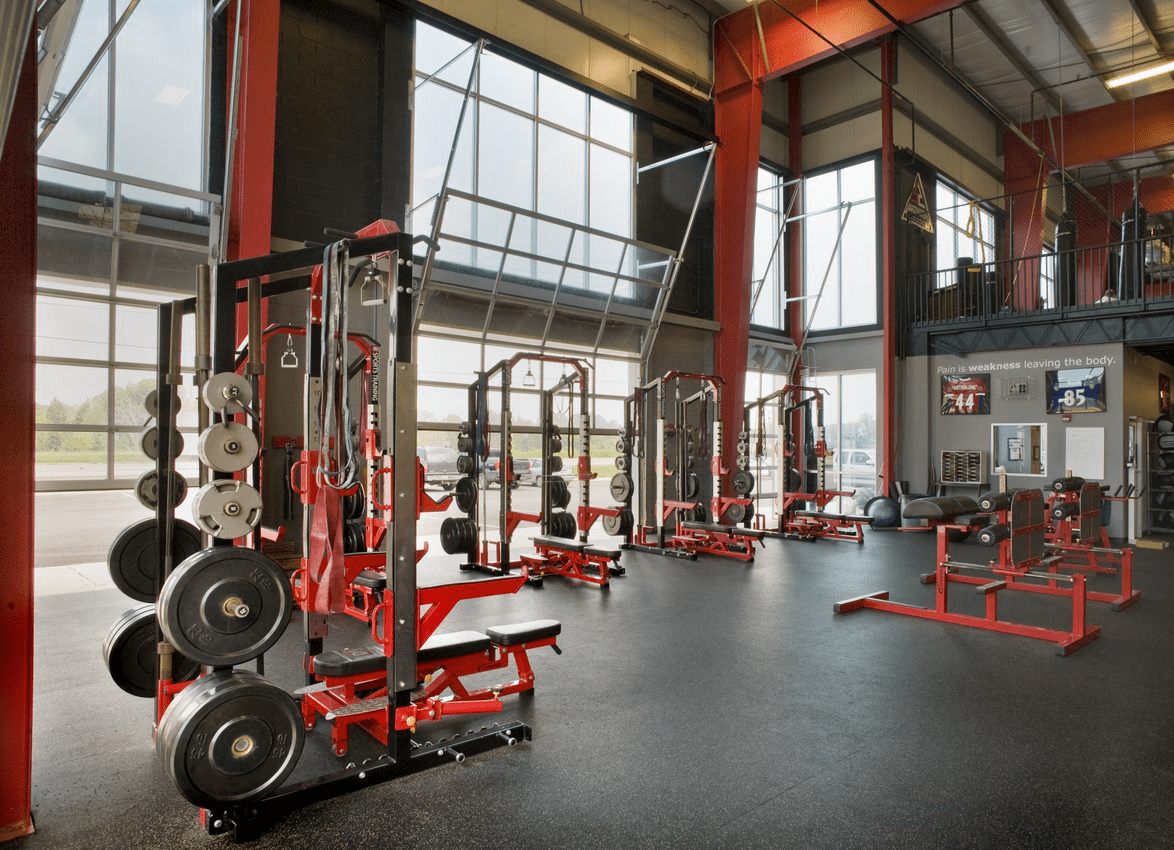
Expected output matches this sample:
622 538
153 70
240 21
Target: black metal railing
1135 274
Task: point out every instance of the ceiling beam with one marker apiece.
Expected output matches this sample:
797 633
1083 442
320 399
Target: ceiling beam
1106 132
993 32
1144 20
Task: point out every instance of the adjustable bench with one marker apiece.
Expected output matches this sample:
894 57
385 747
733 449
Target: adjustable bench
815 524
730 541
559 556
352 686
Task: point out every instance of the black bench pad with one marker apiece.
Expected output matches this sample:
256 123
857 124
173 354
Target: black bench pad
940 507
452 645
860 518
610 554
563 543
513 634
355 661
736 530
372 579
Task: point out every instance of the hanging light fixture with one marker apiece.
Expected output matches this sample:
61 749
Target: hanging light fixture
528 378
1138 76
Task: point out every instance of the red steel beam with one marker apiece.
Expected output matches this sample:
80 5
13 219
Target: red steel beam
18 241
1106 132
751 46
888 264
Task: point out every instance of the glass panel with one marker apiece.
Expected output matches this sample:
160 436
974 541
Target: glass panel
71 395
80 135
68 327
164 215
819 242
73 255
442 404
858 266
434 48
609 414
434 121
135 334
610 192
562 104
158 266
820 192
65 455
614 377
159 94
611 124
507 82
100 288
505 162
130 393
858 182
562 163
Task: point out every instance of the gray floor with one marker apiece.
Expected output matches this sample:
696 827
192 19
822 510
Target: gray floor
703 704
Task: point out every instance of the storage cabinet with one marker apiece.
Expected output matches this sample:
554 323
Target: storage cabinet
964 467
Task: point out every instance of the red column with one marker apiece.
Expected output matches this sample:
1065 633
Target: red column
888 262
795 312
18 275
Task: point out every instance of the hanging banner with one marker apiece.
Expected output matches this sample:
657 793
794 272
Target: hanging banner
966 394
917 207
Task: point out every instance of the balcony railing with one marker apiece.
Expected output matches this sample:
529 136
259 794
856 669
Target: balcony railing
1137 275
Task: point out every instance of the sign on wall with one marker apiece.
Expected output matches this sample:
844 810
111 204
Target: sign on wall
966 394
1076 390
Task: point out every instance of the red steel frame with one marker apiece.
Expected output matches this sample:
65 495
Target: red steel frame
1010 575
18 170
1063 539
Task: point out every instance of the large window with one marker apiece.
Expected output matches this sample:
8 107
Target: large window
849 418
843 197
121 227
964 228
769 290
527 140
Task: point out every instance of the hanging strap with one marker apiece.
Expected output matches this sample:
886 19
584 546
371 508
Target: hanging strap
326 566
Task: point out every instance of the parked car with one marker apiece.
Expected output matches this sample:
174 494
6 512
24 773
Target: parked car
491 470
857 471
440 466
528 470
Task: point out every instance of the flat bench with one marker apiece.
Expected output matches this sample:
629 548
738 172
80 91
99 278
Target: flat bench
822 515
732 530
565 545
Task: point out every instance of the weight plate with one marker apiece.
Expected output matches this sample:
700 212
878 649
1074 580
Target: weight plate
736 512
465 444
622 463
227 446
230 737
227 508
562 524
147 489
465 494
692 485
742 482
556 464
133 558
560 493
621 486
354 505
151 403
132 657
225 605
742 462
556 444
149 443
618 526
622 446
464 464
458 534
354 537
227 393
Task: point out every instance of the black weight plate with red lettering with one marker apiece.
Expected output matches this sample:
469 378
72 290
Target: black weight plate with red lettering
225 605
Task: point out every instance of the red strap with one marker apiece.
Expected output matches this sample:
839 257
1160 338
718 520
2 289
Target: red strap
326 566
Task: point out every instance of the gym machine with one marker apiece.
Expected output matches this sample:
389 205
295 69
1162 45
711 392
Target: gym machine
679 526
557 552
795 448
1075 532
230 739
1017 531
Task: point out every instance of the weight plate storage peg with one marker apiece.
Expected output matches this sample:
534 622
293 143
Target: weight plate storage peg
227 446
149 443
621 486
227 508
147 489
227 393
230 737
133 558
225 605
132 655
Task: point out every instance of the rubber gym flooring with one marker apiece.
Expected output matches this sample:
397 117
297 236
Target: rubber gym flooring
711 703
